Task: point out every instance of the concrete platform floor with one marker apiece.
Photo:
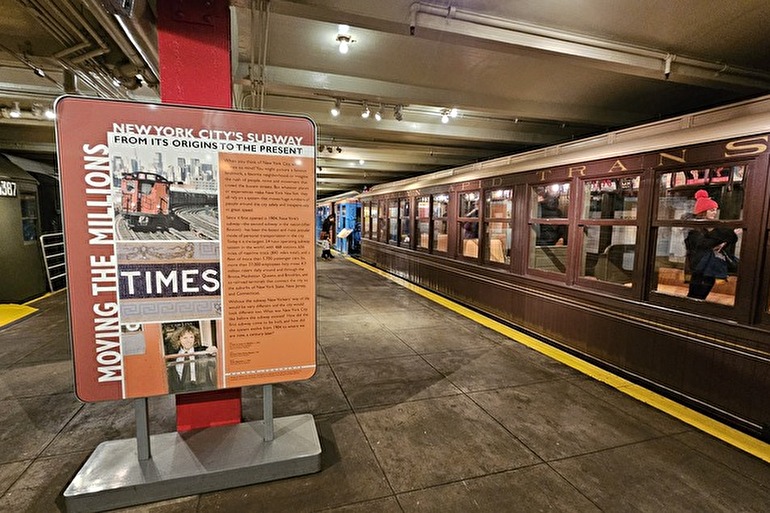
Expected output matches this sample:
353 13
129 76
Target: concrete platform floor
419 409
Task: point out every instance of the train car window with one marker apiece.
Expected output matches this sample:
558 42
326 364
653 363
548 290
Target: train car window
382 223
608 220
699 231
403 222
549 233
367 219
393 221
468 224
498 211
29 217
375 219
723 184
422 231
440 211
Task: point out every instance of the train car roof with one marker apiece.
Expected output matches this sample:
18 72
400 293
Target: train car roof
741 119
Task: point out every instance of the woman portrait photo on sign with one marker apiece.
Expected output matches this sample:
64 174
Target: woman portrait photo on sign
190 365
710 249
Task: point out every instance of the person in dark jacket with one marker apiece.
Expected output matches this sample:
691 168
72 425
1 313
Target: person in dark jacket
328 224
194 367
708 248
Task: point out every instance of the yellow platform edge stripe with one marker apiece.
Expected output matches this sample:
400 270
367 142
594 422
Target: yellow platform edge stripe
10 312
702 422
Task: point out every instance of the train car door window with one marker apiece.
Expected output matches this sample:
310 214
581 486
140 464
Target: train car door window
549 233
439 213
498 212
365 233
404 236
609 222
375 209
393 221
422 229
468 224
382 224
29 217
698 233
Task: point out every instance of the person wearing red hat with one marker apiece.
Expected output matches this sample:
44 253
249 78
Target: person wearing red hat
708 248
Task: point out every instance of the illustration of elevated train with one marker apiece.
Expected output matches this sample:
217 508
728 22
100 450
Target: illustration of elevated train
151 202
145 201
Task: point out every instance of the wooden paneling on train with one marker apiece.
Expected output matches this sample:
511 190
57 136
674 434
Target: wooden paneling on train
606 246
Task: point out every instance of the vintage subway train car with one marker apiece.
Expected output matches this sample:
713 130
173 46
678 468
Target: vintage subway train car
591 245
145 200
346 232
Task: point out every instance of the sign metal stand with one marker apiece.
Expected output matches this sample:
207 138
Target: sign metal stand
121 473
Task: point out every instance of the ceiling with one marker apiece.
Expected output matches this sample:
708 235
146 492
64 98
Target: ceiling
521 73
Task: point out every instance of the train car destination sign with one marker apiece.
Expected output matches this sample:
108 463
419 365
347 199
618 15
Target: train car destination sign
189 236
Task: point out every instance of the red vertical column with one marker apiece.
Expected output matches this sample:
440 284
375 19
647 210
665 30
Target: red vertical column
194 55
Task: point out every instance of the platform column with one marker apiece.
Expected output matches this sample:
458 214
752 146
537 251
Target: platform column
194 61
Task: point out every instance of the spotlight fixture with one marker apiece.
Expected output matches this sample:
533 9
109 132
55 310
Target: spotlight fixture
336 109
397 113
339 150
445 116
16 111
329 149
453 112
361 161
365 113
49 114
321 148
344 39
378 114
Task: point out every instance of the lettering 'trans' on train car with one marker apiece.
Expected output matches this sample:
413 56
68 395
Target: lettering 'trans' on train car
190 247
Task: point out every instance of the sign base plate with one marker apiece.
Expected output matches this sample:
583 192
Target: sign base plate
194 462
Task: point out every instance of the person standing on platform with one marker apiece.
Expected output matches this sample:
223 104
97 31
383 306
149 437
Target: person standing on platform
326 252
327 225
326 236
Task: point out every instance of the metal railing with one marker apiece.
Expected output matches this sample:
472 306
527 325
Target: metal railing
52 245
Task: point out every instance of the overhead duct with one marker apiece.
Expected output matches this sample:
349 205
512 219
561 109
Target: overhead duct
85 49
628 58
135 34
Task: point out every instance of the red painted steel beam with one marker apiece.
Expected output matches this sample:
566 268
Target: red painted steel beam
194 55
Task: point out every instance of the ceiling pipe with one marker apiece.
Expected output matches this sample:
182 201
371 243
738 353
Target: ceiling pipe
83 45
466 23
141 30
125 36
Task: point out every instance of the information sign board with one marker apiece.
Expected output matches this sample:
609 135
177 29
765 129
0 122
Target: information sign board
189 236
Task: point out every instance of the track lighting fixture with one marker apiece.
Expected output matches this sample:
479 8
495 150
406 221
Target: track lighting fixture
36 111
378 114
339 150
365 113
445 116
397 113
336 109
329 149
321 148
453 112
344 39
